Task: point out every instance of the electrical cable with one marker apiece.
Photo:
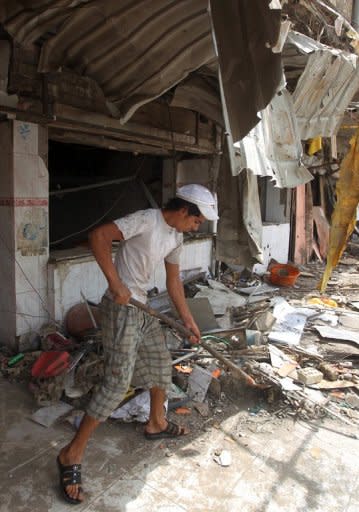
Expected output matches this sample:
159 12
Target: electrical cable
172 139
216 338
87 227
100 218
27 279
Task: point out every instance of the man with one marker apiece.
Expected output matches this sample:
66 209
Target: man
133 342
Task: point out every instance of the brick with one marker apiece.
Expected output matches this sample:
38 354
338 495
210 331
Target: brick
309 375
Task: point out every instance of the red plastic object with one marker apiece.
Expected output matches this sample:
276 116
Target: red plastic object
283 274
56 341
50 364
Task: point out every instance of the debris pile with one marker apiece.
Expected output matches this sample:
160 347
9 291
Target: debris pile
297 349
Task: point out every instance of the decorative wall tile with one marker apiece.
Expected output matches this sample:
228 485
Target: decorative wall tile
26 138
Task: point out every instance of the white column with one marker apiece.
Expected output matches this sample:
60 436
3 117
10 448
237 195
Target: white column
24 230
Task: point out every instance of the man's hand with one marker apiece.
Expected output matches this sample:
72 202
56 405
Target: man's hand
120 293
192 326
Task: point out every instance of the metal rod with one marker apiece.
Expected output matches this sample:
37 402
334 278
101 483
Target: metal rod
93 185
237 372
186 356
89 311
148 194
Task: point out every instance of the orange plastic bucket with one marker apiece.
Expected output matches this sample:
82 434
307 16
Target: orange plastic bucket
283 274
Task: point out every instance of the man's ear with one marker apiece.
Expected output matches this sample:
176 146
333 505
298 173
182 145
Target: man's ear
184 211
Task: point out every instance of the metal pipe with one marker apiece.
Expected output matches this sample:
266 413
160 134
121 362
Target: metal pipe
94 185
237 372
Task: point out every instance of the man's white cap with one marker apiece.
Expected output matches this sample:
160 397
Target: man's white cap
201 197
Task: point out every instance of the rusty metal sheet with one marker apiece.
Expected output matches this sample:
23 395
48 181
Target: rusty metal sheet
136 50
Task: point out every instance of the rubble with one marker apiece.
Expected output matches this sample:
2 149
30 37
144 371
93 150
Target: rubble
296 348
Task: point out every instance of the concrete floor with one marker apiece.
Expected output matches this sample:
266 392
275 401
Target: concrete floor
276 465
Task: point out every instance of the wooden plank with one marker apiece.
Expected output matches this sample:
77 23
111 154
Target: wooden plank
323 201
108 142
315 248
71 118
79 100
322 227
300 240
308 221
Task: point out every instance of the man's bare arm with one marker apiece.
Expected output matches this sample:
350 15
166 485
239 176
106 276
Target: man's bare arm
176 292
101 239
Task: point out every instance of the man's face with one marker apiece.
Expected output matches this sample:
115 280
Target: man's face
186 223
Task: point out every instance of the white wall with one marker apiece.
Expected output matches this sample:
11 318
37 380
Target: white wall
68 277
275 244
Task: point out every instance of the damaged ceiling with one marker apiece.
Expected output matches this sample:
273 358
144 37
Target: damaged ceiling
137 50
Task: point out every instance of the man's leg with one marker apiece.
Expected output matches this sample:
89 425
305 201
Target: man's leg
74 451
158 421
120 349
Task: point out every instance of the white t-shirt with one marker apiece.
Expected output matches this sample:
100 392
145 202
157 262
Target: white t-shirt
148 240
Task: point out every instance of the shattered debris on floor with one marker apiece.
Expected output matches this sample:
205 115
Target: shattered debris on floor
297 348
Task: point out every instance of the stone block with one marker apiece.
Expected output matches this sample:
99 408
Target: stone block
309 375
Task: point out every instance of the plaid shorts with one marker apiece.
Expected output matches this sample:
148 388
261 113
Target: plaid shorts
135 353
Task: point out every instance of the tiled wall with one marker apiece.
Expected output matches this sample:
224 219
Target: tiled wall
33 292
24 232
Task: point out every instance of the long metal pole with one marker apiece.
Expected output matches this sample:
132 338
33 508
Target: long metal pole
62 191
237 372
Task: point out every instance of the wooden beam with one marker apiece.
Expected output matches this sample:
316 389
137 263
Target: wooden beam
300 241
308 221
103 141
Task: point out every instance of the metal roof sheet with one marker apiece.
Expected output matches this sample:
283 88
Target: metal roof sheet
325 87
273 148
136 50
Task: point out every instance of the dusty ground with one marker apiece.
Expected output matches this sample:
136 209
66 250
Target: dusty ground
280 457
276 464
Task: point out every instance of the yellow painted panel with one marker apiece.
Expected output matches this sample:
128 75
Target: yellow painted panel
344 215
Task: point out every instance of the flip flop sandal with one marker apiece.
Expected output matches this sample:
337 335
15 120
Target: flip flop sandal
172 430
69 475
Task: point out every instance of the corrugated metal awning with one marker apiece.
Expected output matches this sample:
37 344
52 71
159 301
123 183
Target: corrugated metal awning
136 50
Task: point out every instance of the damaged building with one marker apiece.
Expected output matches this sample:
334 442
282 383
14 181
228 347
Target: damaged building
107 107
